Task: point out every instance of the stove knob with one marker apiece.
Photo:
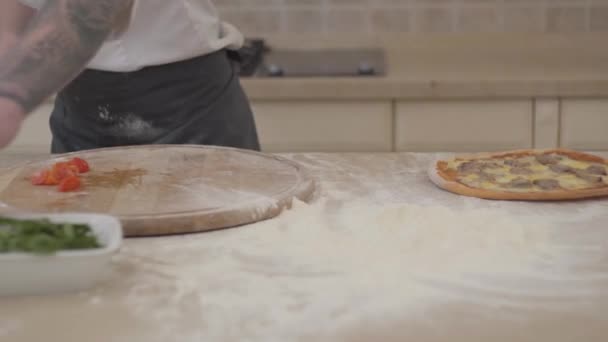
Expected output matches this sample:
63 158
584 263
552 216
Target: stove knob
275 70
366 69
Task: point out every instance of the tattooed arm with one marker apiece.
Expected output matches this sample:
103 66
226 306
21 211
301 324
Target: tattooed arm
13 19
55 47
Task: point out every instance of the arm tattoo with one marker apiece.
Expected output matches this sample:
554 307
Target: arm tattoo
56 46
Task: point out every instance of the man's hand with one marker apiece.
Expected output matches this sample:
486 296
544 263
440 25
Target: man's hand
11 117
6 41
54 48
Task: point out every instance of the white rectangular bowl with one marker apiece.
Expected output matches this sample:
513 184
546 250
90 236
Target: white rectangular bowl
67 271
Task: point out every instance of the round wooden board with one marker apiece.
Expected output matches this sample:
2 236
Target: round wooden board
167 189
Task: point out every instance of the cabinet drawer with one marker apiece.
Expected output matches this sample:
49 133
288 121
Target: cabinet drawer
332 126
546 123
584 124
459 126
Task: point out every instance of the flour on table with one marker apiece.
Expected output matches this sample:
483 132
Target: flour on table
332 265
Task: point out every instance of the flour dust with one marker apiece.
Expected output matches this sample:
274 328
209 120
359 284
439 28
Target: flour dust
332 264
127 124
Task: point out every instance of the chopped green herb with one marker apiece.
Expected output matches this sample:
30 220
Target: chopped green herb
43 236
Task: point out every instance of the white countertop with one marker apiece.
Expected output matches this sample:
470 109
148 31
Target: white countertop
318 273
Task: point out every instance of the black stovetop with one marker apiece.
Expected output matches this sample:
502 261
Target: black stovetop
260 60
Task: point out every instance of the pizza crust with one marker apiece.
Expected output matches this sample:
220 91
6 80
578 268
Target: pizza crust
447 180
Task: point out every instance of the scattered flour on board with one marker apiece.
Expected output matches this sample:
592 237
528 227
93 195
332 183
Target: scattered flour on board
332 264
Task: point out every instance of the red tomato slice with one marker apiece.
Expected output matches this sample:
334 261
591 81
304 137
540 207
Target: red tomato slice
81 164
40 177
73 167
69 184
51 179
44 177
64 174
61 171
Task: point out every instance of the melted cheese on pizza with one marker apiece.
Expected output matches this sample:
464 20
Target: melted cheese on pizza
575 163
530 173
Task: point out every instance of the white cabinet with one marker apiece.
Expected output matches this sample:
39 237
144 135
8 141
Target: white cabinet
546 123
584 124
463 125
324 126
383 126
35 134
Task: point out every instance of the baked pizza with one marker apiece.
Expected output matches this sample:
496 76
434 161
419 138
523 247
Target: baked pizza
557 174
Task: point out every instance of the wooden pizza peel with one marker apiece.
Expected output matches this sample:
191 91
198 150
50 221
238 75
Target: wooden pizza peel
167 189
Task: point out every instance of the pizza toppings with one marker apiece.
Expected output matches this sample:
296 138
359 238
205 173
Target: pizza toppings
517 163
560 168
596 170
521 171
520 183
470 167
591 174
491 165
589 177
547 184
548 159
486 177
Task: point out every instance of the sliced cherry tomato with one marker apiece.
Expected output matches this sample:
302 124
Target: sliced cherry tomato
73 167
69 184
44 177
51 179
64 174
63 170
40 177
81 164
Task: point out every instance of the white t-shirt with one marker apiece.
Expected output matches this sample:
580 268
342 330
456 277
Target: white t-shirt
163 31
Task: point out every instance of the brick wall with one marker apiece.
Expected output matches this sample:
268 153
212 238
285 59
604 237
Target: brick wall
370 16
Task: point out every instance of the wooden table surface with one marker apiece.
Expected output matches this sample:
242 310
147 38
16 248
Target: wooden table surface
232 285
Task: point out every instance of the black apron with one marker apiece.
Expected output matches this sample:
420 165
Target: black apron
197 101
